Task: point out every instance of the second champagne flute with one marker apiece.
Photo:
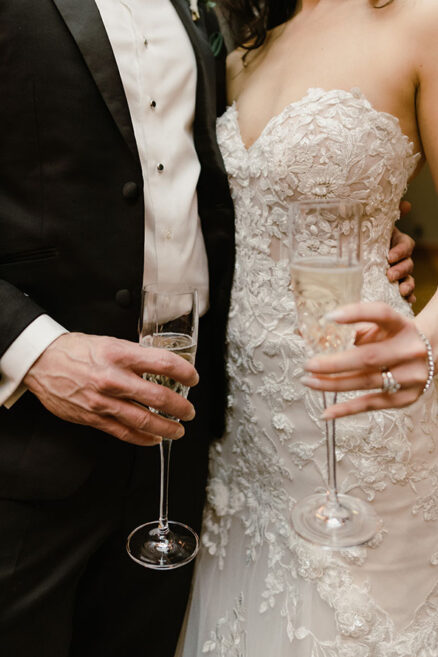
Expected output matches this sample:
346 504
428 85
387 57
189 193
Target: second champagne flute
168 320
326 272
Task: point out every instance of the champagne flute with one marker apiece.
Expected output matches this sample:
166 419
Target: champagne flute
169 320
326 272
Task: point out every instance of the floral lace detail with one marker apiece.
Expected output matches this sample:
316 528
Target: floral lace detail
328 144
228 639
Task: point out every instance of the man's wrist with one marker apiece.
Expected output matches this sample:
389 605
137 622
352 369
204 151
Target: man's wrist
22 353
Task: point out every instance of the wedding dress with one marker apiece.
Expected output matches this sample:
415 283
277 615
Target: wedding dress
260 590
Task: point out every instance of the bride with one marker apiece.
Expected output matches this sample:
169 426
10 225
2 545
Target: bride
337 98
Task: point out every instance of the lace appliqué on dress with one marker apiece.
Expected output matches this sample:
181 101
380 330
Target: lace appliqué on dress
329 144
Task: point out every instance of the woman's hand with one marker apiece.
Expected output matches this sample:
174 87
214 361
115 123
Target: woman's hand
385 340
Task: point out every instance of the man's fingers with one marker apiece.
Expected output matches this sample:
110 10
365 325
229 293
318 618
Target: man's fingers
129 386
134 357
161 398
407 287
400 270
405 208
141 420
96 380
161 361
127 434
402 246
401 250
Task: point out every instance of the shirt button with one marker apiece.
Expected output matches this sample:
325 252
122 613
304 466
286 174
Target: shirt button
123 298
153 104
145 42
130 191
160 167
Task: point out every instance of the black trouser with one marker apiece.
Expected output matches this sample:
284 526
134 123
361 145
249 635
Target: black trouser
67 586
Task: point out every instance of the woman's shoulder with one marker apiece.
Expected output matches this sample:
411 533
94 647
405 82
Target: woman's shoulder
421 16
419 29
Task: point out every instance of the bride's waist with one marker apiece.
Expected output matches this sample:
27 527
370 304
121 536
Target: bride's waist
265 295
377 287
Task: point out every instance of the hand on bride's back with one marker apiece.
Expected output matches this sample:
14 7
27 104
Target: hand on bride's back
401 265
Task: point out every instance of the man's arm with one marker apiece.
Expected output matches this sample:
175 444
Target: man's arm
96 380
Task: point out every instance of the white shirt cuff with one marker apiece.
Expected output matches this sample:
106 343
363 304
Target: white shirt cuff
22 354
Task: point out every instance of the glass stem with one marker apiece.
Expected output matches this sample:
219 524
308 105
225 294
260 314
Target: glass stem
163 523
330 432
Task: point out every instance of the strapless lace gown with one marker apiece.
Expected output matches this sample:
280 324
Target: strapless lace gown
259 590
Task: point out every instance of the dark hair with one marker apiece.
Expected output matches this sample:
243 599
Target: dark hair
250 20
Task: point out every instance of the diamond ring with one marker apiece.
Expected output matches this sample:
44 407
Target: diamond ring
389 384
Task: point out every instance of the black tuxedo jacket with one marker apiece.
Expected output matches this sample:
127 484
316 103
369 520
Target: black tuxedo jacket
72 215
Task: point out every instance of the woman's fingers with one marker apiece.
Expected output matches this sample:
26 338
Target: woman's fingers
377 312
366 332
371 402
370 358
411 376
395 341
367 358
385 341
354 381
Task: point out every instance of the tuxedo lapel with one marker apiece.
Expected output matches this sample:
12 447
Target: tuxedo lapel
85 24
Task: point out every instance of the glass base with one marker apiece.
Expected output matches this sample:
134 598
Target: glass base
353 523
148 548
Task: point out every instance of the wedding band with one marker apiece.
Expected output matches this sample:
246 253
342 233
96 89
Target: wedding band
389 385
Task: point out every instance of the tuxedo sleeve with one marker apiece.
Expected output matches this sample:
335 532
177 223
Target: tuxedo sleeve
25 332
17 311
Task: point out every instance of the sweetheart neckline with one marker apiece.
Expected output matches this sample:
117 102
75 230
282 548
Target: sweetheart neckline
354 92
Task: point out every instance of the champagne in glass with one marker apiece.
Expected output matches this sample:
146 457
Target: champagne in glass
179 344
169 320
319 287
326 272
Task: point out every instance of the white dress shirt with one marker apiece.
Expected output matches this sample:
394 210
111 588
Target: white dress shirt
157 66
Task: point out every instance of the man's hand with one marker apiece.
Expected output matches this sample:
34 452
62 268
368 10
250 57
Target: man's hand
399 257
97 381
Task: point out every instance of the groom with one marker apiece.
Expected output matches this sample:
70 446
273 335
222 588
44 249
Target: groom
110 175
